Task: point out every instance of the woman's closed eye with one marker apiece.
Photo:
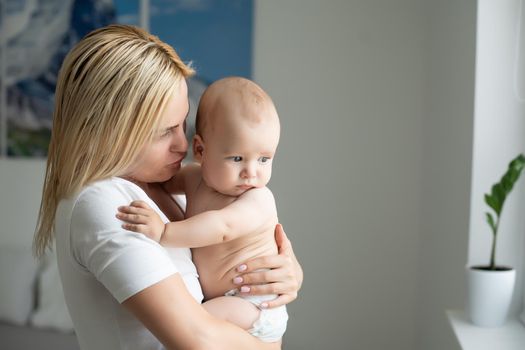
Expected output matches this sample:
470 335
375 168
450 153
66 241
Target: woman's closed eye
168 131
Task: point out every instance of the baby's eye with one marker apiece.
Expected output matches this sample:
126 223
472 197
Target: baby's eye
264 159
237 159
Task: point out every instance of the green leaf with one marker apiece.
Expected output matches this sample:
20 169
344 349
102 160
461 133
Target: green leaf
490 220
499 197
490 201
508 180
518 163
500 190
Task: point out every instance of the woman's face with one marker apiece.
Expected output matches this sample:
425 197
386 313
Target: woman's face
160 160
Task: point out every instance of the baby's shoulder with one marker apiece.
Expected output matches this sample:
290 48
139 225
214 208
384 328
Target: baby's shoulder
260 194
260 191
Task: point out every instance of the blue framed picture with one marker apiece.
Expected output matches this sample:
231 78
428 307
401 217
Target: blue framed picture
216 36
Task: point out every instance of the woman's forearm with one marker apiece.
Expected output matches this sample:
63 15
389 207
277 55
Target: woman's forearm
225 335
179 322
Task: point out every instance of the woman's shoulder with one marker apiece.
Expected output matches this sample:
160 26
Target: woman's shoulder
108 189
101 198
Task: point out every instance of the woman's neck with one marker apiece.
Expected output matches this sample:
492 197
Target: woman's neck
146 187
161 197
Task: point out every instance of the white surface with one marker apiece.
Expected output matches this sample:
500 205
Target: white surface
510 336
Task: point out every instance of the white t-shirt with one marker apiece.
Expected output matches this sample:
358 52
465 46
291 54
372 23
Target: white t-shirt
101 265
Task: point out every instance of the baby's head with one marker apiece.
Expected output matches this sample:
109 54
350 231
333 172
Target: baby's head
236 137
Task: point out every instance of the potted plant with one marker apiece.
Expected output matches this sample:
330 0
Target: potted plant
491 286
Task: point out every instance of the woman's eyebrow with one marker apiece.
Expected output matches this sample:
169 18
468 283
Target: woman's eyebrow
166 129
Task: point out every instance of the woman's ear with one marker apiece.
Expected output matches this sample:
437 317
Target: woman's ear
198 148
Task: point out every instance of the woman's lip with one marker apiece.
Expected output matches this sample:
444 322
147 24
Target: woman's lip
174 164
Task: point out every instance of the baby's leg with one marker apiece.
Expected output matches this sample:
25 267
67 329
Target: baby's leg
233 309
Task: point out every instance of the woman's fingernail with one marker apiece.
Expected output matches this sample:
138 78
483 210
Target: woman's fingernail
245 289
237 280
263 305
242 268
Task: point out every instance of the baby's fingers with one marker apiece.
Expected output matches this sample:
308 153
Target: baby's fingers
140 204
132 218
135 228
129 209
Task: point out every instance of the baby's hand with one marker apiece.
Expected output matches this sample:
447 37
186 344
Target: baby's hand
139 217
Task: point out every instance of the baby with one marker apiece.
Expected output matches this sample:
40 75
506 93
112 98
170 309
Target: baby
230 214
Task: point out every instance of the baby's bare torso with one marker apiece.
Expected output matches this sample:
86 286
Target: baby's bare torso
217 263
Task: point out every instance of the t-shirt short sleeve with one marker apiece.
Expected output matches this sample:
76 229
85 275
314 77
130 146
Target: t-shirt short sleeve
124 262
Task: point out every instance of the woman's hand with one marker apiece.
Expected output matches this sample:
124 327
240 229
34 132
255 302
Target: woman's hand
280 274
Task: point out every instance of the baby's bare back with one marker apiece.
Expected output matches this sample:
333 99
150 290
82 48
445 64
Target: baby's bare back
217 263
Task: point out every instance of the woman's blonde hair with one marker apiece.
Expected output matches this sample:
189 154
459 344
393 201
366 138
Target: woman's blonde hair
111 90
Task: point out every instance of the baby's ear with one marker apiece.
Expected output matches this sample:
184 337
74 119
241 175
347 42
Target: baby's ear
198 148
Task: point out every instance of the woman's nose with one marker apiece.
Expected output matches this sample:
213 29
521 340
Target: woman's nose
179 143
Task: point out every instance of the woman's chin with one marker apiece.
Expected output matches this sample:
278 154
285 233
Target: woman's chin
169 174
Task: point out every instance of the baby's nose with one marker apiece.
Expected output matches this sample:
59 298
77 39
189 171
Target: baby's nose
249 171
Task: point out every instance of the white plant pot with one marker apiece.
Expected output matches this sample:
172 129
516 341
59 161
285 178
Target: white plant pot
489 295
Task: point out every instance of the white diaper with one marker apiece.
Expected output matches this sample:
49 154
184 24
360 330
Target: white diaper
271 325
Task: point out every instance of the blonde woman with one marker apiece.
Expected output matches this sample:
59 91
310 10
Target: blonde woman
118 133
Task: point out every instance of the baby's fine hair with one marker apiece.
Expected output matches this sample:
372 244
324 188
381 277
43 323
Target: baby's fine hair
244 91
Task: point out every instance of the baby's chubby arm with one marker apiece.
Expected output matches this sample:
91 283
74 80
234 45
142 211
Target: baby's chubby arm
249 213
140 217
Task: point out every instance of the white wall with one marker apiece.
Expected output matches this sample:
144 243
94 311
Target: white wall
373 176
498 136
446 162
348 81
20 192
